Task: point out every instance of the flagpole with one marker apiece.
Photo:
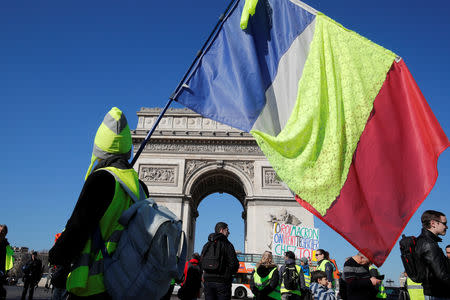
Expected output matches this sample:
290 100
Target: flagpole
149 134
180 84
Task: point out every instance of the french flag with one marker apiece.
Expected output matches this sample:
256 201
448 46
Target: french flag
340 118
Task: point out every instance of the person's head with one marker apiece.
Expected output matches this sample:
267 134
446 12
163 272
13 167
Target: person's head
113 138
34 255
322 254
195 256
3 231
362 259
222 228
320 277
434 221
266 260
304 261
289 255
447 251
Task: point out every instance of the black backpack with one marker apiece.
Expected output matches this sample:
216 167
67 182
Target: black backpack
211 260
409 258
290 278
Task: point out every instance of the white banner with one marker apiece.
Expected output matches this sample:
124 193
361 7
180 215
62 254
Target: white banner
298 239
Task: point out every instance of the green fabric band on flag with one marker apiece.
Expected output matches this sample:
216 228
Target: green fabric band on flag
341 78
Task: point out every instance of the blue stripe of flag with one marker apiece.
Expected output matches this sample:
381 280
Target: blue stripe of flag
229 82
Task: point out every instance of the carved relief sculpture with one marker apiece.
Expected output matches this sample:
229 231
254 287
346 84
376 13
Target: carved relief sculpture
157 174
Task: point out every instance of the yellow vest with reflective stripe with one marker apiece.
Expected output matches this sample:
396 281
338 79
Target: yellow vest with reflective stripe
284 290
415 290
381 291
86 277
321 267
261 283
9 260
307 280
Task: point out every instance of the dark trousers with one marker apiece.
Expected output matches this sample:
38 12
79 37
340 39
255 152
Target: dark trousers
2 291
217 291
28 284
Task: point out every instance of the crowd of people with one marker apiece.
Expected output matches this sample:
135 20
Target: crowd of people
78 264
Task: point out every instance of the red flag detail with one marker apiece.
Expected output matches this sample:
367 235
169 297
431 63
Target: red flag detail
394 168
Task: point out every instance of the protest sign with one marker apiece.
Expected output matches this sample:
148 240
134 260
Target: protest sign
303 241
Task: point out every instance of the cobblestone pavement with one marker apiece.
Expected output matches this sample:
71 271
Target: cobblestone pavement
15 292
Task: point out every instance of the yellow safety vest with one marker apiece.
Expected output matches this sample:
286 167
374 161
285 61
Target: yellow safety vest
86 277
415 290
284 290
261 283
307 279
321 267
9 260
381 290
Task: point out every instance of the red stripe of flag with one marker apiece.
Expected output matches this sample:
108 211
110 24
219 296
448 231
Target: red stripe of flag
393 170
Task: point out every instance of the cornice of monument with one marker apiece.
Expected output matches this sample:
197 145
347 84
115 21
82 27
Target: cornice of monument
200 146
183 122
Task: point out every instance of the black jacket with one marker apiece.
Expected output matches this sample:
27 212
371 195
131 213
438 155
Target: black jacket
229 262
190 288
32 270
263 272
434 265
95 197
3 245
59 277
357 282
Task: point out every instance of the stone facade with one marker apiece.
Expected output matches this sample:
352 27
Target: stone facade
190 157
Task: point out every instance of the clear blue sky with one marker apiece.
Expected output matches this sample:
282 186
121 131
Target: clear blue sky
64 64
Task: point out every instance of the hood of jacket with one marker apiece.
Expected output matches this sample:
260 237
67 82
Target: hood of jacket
289 261
194 261
217 237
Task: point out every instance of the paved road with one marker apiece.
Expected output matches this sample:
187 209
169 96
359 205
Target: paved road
15 292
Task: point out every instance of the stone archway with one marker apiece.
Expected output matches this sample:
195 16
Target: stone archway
190 157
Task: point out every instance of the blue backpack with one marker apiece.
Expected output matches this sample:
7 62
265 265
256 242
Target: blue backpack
150 253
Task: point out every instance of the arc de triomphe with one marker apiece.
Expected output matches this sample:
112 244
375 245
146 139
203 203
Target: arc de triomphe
190 157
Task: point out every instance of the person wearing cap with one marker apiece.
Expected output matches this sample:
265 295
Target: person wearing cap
99 207
32 274
6 258
304 264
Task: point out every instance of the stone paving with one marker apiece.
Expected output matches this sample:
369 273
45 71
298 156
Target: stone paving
15 293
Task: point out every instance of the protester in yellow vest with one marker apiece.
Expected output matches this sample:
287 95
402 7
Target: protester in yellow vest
100 204
6 258
415 290
324 264
381 291
304 264
287 272
265 279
